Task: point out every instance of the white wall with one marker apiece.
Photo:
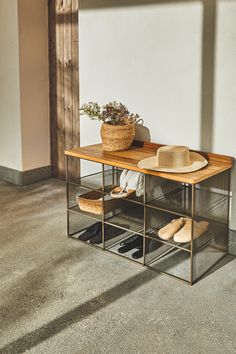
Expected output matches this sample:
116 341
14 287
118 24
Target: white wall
150 58
10 126
225 86
224 139
143 57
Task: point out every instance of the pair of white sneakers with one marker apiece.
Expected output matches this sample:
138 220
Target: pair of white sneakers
180 230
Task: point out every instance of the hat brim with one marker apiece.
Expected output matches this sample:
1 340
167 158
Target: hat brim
197 162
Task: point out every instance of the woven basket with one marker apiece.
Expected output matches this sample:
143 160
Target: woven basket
117 137
90 203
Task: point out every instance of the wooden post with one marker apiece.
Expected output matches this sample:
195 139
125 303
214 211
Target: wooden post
64 83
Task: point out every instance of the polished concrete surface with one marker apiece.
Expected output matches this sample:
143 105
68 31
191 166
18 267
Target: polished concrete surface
60 296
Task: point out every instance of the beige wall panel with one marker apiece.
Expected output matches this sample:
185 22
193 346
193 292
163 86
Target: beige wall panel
10 126
34 85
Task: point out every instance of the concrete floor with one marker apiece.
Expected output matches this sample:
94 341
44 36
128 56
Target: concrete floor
59 296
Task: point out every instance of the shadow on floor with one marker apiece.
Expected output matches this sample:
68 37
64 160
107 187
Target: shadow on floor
77 314
225 260
86 309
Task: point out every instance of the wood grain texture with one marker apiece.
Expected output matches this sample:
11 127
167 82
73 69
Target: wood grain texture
68 78
75 82
141 150
52 83
64 83
60 64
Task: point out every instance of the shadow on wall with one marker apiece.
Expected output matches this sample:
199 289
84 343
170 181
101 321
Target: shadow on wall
207 73
142 133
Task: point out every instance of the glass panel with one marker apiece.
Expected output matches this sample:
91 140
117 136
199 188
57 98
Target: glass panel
177 197
167 194
212 244
218 212
95 180
167 259
126 215
90 173
89 168
85 229
114 235
217 184
209 254
212 197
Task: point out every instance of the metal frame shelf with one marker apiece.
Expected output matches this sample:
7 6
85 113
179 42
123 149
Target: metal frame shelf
142 227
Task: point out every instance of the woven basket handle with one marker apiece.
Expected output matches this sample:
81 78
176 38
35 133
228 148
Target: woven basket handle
139 121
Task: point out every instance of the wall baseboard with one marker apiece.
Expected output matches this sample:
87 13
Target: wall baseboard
25 177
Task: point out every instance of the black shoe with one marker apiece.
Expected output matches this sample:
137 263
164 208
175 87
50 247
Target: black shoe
129 240
135 243
125 248
138 254
97 238
90 232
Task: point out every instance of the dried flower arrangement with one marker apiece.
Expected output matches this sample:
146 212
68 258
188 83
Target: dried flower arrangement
112 113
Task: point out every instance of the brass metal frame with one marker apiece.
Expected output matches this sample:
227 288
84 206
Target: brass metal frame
191 249
192 231
144 221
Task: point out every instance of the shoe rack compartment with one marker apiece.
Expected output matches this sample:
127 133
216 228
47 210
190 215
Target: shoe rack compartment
167 259
206 258
167 195
75 191
112 180
177 197
115 245
155 221
79 224
128 216
114 235
215 212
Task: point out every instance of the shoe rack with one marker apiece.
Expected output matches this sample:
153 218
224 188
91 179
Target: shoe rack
199 196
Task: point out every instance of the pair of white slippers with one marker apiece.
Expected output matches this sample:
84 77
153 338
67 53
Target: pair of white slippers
180 230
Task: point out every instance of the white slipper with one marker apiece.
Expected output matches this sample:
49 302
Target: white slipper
168 231
119 192
184 235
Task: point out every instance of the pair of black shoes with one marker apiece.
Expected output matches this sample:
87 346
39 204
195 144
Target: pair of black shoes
93 234
131 243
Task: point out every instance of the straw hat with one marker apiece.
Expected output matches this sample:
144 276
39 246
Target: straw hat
174 159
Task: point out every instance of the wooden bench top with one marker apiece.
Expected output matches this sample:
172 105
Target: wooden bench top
140 150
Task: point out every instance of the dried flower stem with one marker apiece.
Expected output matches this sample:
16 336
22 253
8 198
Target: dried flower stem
113 113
